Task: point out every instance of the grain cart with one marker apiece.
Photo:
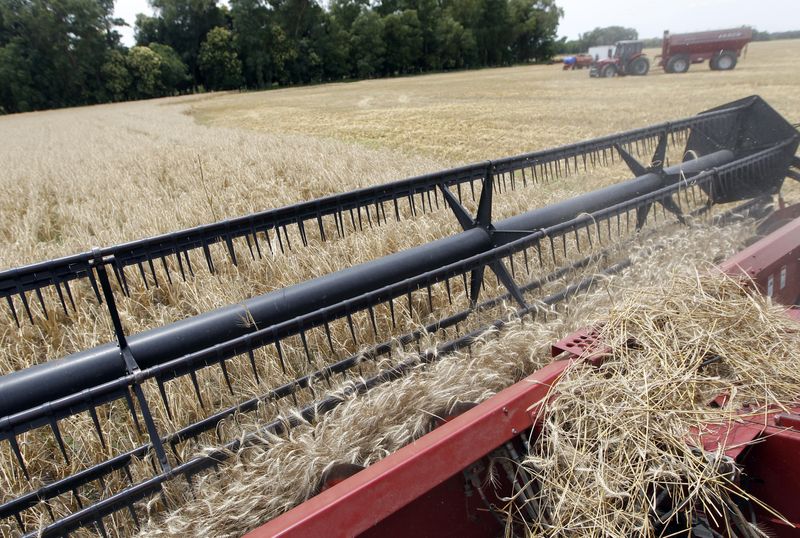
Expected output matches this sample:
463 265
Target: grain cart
722 49
93 442
628 59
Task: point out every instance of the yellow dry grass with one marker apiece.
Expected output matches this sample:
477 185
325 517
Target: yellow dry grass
76 178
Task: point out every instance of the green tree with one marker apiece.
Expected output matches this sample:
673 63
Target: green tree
367 48
116 75
402 36
183 25
533 31
606 36
18 92
53 52
173 73
347 11
333 44
144 65
219 62
455 44
492 34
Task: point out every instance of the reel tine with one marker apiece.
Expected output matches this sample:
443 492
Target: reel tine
180 266
280 241
97 428
188 263
132 511
143 275
166 269
476 282
391 312
13 310
250 246
59 440
119 270
60 294
153 271
352 329
372 317
196 386
286 236
223 365
304 341
269 242
77 496
209 259
26 306
258 247
12 440
329 338
280 355
132 409
252 358
162 391
101 527
231 249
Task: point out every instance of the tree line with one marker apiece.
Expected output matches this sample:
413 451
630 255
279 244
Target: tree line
57 53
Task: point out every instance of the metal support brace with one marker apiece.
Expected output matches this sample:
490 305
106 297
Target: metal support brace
131 367
483 220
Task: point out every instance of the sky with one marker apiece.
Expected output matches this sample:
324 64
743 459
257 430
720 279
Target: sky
649 17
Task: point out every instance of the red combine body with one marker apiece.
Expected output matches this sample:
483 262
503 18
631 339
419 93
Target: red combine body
721 48
433 487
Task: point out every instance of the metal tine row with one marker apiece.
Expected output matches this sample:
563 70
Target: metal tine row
94 417
324 373
278 347
597 224
196 465
175 257
161 388
391 308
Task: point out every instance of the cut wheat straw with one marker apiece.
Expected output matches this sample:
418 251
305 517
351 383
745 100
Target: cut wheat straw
618 440
261 482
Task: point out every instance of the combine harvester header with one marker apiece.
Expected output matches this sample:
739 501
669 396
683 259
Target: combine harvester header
736 154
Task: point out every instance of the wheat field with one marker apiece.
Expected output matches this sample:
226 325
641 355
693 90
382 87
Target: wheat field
95 176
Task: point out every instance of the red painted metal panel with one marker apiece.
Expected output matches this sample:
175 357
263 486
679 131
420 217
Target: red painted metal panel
773 263
771 470
367 498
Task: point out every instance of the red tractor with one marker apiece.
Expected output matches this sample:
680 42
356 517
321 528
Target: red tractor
628 59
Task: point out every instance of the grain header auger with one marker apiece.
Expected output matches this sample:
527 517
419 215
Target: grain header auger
294 342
